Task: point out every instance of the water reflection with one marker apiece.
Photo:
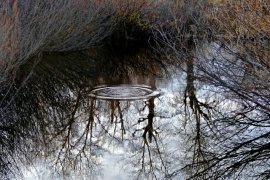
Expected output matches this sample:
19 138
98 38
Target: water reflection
82 108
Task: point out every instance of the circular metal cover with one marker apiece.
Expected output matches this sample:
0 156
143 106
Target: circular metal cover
123 92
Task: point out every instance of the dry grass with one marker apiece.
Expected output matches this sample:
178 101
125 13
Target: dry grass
29 28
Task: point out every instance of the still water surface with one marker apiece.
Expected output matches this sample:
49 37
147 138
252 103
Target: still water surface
103 117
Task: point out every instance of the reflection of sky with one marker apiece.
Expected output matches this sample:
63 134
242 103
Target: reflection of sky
113 167
115 162
169 122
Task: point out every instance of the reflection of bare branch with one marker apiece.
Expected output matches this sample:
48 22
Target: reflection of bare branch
112 110
149 128
123 131
91 117
150 153
195 105
66 143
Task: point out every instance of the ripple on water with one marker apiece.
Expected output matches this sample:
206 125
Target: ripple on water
123 92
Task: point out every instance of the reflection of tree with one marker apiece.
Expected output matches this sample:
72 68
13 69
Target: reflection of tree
79 134
224 50
68 141
116 122
53 111
151 154
104 124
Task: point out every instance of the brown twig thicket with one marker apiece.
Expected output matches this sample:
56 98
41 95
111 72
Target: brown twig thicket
219 44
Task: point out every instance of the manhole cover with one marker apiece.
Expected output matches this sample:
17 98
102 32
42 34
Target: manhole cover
123 92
